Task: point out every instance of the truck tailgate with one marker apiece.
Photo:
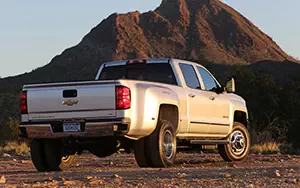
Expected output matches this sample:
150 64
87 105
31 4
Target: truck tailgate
71 100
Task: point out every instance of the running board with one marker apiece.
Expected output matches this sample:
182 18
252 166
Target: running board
208 142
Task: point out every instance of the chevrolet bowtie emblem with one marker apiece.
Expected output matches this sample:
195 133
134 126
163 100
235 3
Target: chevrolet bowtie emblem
70 102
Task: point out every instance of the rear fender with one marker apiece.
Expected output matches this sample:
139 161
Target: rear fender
150 99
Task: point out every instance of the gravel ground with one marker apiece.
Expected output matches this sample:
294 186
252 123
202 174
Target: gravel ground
191 170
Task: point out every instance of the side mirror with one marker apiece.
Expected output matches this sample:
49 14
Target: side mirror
230 86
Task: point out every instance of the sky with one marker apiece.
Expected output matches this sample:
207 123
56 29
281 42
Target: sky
33 32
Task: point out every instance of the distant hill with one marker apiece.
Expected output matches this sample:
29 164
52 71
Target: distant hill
202 30
206 31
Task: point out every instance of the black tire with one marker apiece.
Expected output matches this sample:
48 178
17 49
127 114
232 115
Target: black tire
161 145
55 158
140 154
239 151
37 152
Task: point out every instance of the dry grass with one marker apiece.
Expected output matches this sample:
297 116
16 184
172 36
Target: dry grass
266 148
14 147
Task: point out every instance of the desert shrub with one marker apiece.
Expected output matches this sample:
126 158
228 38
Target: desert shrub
13 125
266 148
9 113
15 147
9 130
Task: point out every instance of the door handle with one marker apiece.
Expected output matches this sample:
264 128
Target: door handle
192 95
212 98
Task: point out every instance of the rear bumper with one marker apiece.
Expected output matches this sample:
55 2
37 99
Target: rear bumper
92 129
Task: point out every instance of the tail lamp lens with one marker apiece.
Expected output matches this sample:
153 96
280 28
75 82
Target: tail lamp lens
123 98
23 102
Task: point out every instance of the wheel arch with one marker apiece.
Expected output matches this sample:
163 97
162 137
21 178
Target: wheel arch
170 113
241 117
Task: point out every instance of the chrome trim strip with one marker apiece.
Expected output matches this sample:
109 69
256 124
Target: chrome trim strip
48 112
36 125
206 123
102 123
86 124
92 129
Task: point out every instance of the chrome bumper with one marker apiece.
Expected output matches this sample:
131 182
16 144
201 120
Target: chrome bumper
92 130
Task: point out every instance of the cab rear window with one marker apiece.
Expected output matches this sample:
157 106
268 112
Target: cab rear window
153 72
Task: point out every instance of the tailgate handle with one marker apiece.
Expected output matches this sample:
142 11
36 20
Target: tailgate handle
70 93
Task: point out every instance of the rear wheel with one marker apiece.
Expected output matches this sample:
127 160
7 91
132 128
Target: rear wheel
141 157
239 146
56 160
161 145
37 152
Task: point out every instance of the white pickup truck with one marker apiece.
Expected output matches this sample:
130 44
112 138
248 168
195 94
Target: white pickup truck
153 107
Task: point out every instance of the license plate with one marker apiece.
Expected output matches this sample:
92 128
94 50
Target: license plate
71 127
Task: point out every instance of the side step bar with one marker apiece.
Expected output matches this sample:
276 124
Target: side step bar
208 142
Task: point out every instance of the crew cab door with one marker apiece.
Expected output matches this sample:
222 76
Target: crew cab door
219 122
198 104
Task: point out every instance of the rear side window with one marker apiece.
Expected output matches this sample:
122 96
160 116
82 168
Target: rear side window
190 76
153 72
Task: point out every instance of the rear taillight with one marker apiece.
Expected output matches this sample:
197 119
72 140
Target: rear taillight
23 102
123 99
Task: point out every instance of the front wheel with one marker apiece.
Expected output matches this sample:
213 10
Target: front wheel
239 144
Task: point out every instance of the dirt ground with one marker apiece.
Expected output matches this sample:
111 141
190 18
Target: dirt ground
191 170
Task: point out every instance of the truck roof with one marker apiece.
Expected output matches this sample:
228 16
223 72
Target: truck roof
147 60
141 60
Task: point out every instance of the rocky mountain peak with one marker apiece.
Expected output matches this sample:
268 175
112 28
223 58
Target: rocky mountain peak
199 30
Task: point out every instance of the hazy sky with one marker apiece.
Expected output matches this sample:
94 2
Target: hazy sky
32 32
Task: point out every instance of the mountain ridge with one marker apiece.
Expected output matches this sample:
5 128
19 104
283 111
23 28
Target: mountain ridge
204 30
